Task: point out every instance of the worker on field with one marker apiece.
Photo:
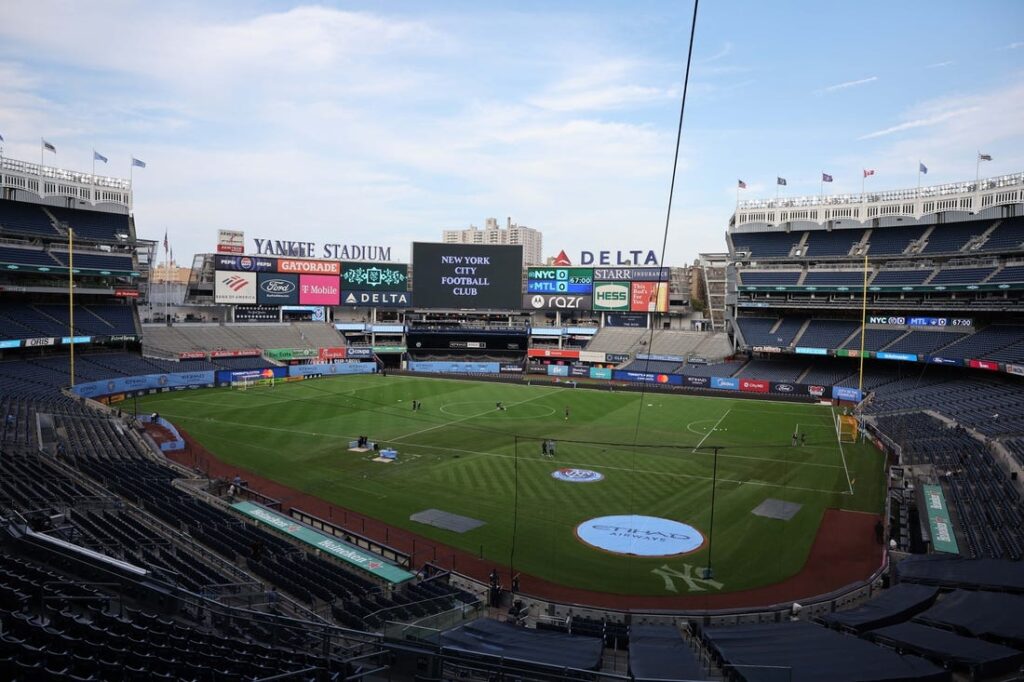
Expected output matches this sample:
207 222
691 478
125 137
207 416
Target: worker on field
803 439
794 439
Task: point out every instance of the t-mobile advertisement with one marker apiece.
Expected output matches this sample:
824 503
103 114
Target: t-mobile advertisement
467 276
319 290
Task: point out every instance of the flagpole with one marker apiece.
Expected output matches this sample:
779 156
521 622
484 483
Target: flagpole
167 275
41 149
863 179
919 179
977 171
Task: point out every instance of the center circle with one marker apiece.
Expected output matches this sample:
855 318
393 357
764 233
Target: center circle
635 535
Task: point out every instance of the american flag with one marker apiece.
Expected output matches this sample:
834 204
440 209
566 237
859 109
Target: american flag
868 172
165 241
984 157
742 185
825 177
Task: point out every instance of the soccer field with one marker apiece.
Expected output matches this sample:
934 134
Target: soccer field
460 454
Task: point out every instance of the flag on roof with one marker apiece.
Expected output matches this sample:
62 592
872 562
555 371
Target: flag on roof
868 172
780 181
742 184
139 164
981 157
922 168
49 147
96 156
825 177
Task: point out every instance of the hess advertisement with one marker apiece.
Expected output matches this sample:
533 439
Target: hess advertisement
648 297
467 275
611 296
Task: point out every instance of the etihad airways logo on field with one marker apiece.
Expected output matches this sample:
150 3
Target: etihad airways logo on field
640 535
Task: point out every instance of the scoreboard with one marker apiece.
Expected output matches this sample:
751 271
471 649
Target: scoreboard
578 281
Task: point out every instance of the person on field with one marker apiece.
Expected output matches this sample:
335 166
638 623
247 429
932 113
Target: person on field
566 413
803 439
794 439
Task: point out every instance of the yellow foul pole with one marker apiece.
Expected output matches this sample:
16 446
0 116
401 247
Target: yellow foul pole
863 323
71 299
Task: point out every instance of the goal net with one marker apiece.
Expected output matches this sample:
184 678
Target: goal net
847 428
246 384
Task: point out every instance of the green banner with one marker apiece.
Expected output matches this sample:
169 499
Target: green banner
943 539
325 543
291 353
389 349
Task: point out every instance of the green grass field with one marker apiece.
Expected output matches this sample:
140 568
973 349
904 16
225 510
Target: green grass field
459 454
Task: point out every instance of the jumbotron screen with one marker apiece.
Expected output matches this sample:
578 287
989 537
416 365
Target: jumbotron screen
467 276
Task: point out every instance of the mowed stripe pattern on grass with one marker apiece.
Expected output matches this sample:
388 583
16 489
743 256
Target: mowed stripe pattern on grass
461 455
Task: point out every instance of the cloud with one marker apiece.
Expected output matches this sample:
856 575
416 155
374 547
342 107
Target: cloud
919 123
1012 46
849 84
939 65
723 52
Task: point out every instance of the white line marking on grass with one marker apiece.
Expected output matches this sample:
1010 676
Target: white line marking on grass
545 461
456 421
699 421
841 453
708 434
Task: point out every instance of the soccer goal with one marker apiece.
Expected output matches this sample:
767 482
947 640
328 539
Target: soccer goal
246 384
847 428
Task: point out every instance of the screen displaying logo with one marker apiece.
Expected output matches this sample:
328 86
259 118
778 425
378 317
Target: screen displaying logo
374 277
611 296
319 290
635 535
235 283
277 286
277 289
235 287
556 302
577 475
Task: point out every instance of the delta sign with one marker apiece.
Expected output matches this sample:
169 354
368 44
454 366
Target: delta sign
634 257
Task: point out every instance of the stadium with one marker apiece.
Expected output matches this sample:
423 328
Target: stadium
373 486
798 457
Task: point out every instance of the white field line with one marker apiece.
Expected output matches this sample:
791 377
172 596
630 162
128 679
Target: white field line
712 430
462 419
841 453
527 460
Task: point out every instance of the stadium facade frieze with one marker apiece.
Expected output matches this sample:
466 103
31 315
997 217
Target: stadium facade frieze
303 249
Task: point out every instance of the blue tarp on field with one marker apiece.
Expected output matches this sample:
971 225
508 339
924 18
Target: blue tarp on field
658 652
984 657
993 615
892 606
951 571
503 640
802 652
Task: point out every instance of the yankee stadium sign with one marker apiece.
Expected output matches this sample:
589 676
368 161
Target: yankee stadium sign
297 249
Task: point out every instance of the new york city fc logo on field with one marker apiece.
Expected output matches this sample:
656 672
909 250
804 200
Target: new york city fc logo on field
570 475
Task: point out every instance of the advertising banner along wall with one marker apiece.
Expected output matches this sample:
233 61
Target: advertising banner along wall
234 287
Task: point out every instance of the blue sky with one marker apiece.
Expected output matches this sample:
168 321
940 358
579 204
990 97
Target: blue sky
384 123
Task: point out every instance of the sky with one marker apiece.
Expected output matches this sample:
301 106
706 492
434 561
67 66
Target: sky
386 122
